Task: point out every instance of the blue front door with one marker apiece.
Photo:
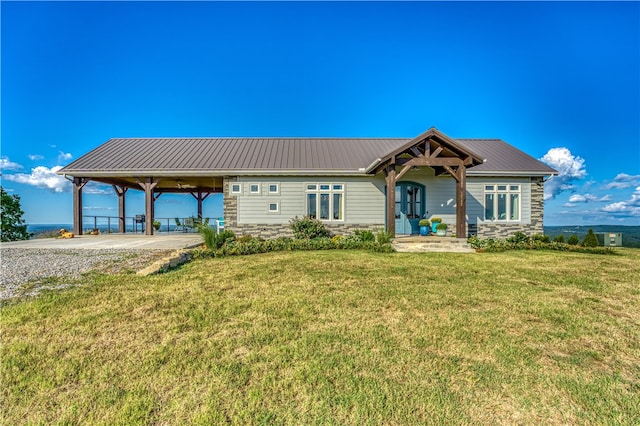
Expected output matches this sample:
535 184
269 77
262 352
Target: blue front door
410 201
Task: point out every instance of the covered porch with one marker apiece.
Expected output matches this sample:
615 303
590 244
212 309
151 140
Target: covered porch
434 150
199 187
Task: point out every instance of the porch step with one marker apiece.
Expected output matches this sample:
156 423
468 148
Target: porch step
416 244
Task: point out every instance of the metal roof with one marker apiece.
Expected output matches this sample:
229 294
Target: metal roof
229 156
504 159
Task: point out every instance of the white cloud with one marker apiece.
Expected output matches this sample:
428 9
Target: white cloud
631 207
623 180
580 198
569 167
97 188
64 156
6 164
35 157
42 177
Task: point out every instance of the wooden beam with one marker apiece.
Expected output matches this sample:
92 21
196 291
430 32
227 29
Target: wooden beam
121 192
200 197
402 173
431 162
391 200
78 184
461 203
435 153
148 184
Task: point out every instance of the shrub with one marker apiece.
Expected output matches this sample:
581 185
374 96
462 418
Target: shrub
559 238
573 240
518 238
224 237
364 235
383 237
424 222
308 228
541 238
209 236
442 226
590 240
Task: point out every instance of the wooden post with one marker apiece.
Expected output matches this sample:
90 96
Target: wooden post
461 202
391 200
148 184
78 184
200 197
120 192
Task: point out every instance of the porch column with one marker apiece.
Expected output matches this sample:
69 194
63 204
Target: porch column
148 184
461 202
391 200
120 192
78 184
200 197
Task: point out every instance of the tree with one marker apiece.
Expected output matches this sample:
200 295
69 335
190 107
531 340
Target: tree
13 226
590 240
573 240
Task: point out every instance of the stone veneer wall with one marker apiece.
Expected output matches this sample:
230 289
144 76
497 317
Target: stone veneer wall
229 204
273 231
503 230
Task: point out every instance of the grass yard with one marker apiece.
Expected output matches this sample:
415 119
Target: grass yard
334 337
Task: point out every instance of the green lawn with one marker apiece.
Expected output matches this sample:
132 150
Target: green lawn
334 337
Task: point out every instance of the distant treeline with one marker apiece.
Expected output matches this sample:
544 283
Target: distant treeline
630 234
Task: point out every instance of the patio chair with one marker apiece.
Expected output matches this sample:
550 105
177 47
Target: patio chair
179 226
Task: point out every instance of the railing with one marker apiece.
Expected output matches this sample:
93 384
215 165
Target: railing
135 224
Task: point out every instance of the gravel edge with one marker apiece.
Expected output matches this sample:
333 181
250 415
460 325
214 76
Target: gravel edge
31 268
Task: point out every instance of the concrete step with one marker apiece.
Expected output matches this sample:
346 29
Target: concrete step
416 244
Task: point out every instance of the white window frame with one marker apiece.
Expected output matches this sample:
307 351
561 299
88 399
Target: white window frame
235 185
315 188
277 210
509 190
277 191
251 191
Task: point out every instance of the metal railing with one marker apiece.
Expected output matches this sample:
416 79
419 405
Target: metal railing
135 224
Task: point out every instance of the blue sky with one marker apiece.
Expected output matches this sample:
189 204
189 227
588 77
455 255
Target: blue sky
561 81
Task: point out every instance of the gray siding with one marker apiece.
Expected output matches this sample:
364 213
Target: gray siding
363 199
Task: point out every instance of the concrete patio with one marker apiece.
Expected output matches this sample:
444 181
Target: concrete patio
171 241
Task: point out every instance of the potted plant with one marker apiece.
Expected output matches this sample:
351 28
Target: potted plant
424 227
434 223
441 229
156 225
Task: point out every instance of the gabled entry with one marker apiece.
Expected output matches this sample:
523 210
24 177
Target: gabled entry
431 149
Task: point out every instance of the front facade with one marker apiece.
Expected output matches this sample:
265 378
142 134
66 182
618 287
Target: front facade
481 187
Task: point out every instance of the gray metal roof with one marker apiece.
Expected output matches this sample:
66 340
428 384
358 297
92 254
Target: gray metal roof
228 156
504 159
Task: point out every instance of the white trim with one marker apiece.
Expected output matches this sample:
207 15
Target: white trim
251 191
235 184
328 189
277 204
277 191
496 192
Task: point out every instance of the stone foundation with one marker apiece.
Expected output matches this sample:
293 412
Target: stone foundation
274 231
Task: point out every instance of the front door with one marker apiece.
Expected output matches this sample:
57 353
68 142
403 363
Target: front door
410 209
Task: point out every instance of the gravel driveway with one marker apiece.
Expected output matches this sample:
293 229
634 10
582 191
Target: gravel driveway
32 265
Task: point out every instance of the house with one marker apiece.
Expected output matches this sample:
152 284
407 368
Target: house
478 186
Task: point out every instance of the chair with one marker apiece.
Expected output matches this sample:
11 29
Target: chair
179 226
189 223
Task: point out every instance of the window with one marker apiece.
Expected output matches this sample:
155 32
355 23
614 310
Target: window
502 202
274 208
236 188
274 188
325 201
254 188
